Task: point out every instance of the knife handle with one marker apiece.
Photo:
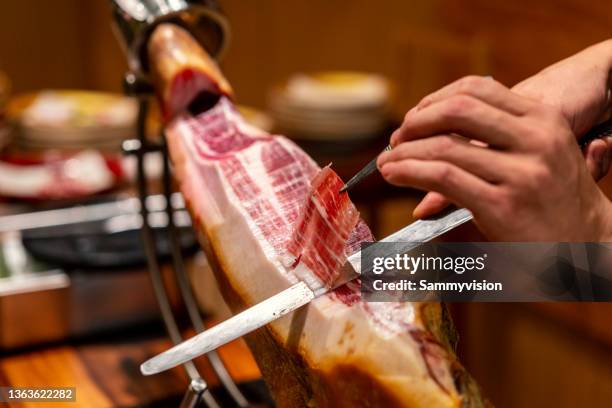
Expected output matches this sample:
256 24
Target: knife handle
600 131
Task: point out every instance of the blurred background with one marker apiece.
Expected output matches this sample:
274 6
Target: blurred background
61 148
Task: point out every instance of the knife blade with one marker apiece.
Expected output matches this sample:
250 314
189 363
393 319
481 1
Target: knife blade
296 296
300 294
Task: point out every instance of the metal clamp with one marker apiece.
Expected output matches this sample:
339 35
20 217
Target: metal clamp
135 20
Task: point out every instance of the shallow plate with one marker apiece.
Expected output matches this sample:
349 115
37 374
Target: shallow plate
60 116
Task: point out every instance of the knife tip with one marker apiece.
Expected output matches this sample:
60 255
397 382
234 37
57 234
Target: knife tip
146 369
154 365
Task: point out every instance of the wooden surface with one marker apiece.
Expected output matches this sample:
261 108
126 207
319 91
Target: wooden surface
105 371
523 356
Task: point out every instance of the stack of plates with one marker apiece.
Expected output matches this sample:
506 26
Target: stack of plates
332 105
73 119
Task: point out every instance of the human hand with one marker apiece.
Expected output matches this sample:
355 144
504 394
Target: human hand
525 178
579 87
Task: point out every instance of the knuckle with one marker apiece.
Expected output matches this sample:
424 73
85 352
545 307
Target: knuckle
424 102
548 138
396 137
458 106
407 116
444 173
468 83
557 141
506 203
537 176
540 138
443 145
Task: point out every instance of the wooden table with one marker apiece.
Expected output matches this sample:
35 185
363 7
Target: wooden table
105 370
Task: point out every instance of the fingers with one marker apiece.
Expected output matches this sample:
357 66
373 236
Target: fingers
598 155
485 163
464 115
461 187
431 204
485 89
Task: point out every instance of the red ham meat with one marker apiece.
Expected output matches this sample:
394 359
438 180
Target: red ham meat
319 245
267 217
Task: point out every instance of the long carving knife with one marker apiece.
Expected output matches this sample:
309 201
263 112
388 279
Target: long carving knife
301 294
295 296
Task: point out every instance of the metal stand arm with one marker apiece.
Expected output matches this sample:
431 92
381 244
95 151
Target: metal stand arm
198 391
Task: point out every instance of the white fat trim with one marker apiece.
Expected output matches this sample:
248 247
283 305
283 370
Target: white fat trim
304 274
388 319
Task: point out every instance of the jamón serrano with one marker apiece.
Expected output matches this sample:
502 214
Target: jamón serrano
268 216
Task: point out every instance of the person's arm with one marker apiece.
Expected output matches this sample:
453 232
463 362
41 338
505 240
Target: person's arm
525 181
579 87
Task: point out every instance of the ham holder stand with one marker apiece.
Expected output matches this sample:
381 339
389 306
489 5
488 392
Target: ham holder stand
134 22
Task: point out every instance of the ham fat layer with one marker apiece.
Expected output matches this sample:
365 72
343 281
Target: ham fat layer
269 216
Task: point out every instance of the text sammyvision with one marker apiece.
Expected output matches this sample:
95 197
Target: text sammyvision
410 266
415 271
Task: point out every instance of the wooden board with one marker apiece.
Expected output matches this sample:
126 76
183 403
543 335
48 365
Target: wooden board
106 372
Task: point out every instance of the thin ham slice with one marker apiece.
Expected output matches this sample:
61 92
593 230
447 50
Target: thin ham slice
318 247
267 217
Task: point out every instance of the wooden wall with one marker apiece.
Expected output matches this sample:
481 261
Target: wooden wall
420 45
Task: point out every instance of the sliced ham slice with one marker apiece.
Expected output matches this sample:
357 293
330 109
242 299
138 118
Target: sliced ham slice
267 217
317 249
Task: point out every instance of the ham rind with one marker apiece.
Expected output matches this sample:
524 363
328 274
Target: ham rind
267 216
180 80
258 200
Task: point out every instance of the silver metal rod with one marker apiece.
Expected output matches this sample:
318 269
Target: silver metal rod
196 393
187 294
150 247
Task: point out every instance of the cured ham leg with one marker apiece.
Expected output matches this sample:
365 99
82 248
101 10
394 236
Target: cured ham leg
267 217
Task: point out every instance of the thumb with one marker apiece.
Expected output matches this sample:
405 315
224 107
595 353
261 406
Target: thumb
431 204
598 155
